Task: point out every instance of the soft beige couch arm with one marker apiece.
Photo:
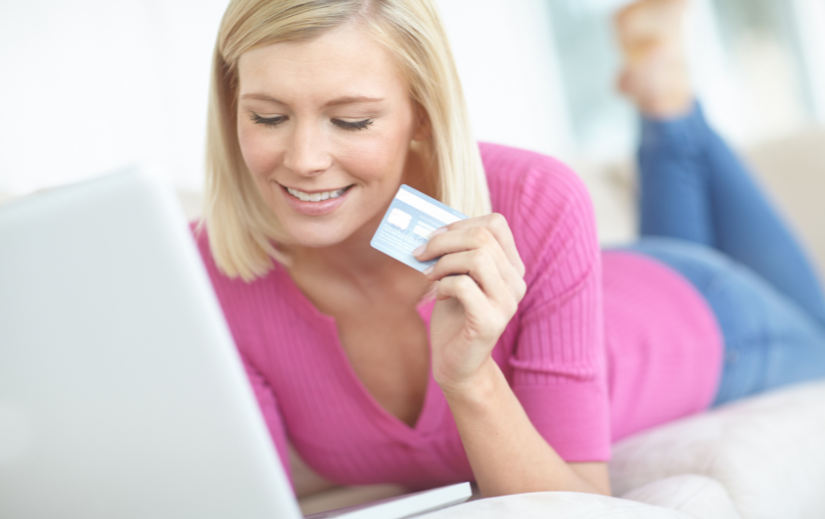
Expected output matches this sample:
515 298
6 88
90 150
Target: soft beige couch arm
768 451
681 497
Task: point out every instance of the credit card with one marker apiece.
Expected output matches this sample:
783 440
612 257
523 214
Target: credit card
409 221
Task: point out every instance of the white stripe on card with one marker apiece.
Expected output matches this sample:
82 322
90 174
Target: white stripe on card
423 231
426 207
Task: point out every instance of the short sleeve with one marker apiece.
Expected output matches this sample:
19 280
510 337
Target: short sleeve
271 414
558 361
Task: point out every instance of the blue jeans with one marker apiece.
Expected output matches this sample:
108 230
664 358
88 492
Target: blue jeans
702 214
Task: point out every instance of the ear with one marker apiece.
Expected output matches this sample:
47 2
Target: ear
423 128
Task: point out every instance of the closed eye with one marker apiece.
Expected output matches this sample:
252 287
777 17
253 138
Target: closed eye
354 125
268 121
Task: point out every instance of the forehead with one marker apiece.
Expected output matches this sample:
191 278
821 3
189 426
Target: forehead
343 59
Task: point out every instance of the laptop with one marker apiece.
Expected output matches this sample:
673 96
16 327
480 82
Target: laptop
121 392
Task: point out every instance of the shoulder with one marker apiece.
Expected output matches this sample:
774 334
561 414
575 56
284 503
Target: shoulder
544 201
525 183
509 170
198 230
225 287
201 236
252 309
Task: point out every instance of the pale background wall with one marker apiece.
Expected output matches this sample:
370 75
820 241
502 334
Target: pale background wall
90 86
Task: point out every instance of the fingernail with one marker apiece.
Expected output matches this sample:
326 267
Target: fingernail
428 271
419 250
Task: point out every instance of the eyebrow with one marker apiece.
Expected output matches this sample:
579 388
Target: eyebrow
345 100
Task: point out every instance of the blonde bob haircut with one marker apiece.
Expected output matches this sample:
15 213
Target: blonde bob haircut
243 232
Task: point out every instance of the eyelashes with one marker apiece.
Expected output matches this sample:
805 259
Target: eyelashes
271 122
356 125
268 121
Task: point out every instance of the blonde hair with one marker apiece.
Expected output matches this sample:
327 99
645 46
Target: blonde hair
243 231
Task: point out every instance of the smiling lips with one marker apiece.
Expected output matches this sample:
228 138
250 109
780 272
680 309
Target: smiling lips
315 204
315 197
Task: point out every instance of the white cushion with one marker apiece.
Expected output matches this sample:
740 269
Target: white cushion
698 496
680 497
768 451
556 505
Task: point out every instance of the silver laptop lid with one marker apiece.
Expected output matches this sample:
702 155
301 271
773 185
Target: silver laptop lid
121 393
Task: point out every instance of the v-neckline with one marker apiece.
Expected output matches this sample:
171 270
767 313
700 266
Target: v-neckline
423 423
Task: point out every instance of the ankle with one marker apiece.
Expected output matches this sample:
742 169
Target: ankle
655 75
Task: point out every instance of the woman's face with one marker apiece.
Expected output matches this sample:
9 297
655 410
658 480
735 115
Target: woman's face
324 127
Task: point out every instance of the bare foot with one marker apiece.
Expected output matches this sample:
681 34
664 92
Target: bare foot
655 75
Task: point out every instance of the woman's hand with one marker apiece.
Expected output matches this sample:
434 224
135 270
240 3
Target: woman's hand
479 286
480 283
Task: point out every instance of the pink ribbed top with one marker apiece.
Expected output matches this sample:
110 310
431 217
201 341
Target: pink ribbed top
590 359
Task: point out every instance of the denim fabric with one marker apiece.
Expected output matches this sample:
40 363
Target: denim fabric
703 214
769 340
693 187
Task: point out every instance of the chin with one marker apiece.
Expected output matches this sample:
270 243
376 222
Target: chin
329 236
318 232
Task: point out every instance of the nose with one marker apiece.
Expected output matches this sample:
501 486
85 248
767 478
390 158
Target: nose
307 154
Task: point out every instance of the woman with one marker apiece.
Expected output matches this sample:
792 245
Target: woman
492 366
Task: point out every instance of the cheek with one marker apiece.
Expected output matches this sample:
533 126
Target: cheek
380 157
258 150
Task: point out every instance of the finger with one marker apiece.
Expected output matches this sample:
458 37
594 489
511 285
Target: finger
481 268
470 239
452 240
498 227
468 293
482 317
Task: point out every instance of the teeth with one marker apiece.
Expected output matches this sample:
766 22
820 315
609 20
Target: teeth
315 197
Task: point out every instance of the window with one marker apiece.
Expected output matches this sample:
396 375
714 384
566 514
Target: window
757 66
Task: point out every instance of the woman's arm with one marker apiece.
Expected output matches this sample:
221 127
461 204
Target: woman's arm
480 283
506 452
